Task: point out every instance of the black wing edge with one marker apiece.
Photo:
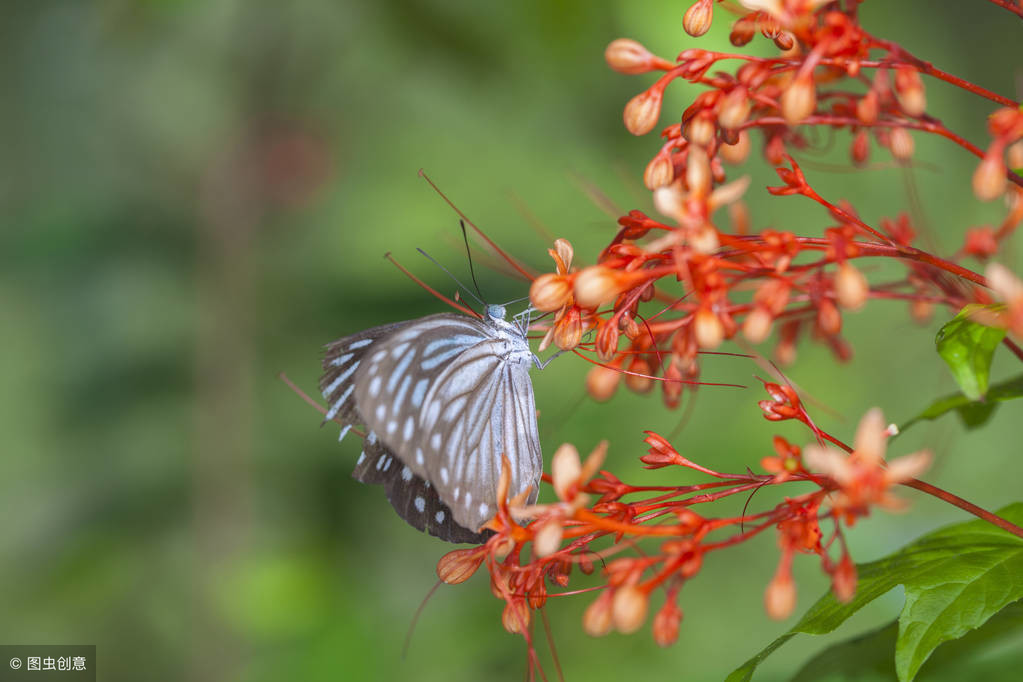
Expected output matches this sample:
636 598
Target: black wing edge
415 500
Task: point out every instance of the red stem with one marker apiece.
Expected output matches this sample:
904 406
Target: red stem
964 505
1009 5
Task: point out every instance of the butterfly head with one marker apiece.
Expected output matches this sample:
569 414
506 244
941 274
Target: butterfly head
495 311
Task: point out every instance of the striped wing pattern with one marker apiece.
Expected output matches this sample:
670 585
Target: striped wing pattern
443 397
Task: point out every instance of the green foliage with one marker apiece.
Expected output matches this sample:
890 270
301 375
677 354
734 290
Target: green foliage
955 578
972 413
967 348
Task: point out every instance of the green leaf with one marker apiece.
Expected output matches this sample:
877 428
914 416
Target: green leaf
869 656
973 414
967 348
955 579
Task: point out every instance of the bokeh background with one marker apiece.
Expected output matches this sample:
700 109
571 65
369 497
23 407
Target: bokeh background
196 195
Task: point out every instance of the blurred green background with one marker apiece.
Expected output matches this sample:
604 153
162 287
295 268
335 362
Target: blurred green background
196 195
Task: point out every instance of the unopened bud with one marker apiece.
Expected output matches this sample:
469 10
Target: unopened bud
989 178
867 108
568 330
910 91
735 108
629 608
757 325
642 112
829 320
921 311
565 469
843 581
597 285
601 382
659 172
459 565
515 616
547 540
597 619
780 597
638 379
860 150
550 292
736 153
785 41
628 56
707 329
666 623
700 130
698 17
799 99
851 287
743 31
901 144
698 171
1014 156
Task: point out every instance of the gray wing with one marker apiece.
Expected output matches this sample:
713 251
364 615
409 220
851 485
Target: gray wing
480 408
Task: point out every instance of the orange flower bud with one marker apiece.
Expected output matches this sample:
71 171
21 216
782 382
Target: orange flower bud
700 130
829 320
672 386
597 285
707 329
743 31
735 108
601 382
659 172
639 380
780 596
669 200
868 107
799 99
698 171
642 112
697 19
666 623
628 56
921 311
736 153
565 469
843 580
1014 156
757 325
860 150
515 616
628 608
550 292
458 566
901 144
607 341
851 287
785 41
597 616
547 540
910 91
989 178
568 330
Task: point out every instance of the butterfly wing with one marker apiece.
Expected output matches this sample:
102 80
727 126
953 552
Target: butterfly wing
481 408
381 377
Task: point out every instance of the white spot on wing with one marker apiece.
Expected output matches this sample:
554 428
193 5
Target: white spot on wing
359 344
419 456
420 503
444 475
468 499
392 426
435 440
398 372
374 385
440 516
458 491
398 350
381 411
409 426
338 404
419 392
406 474
340 380
344 432
337 362
362 458
484 509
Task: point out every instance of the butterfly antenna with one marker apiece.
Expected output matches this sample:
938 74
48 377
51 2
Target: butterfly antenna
468 253
453 304
415 618
457 281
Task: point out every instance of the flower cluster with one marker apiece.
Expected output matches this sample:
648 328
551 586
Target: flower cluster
664 290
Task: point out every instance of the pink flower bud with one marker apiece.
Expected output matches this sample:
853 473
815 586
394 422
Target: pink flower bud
698 17
799 99
629 608
642 112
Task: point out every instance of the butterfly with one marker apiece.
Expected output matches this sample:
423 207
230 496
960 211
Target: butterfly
442 398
